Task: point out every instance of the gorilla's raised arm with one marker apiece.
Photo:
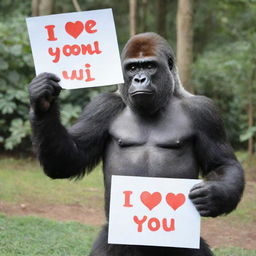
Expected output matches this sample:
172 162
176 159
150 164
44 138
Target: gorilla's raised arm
68 153
224 178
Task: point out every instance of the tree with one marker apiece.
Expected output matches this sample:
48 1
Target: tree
185 42
133 16
161 17
144 15
42 7
76 5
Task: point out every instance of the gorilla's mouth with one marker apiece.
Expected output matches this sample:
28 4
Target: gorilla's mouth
141 92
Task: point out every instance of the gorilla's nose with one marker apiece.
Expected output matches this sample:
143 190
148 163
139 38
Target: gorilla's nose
140 80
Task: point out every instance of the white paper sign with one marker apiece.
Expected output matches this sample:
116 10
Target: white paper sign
80 47
153 211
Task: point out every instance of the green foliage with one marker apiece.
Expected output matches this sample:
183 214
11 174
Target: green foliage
16 69
19 129
224 68
225 75
250 132
225 63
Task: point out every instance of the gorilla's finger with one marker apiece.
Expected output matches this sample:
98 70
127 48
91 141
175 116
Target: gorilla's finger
199 200
48 76
53 77
201 207
200 192
37 91
205 213
199 185
56 87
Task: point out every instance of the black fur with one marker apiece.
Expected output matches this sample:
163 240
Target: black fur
170 132
218 163
73 152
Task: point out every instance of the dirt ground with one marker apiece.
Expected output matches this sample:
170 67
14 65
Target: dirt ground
218 232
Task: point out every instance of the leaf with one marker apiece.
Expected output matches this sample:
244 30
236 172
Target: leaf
7 107
19 129
3 64
69 113
16 50
13 77
248 134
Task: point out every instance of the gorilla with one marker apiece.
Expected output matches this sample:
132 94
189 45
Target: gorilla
150 127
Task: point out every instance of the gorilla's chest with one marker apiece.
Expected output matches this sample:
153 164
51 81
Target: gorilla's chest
169 130
156 147
161 147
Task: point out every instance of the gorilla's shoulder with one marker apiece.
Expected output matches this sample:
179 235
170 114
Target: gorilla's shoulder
203 112
199 105
105 101
104 106
107 98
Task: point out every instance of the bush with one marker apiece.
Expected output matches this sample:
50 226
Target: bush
16 70
224 74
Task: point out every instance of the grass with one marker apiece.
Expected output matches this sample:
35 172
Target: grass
234 251
32 236
23 181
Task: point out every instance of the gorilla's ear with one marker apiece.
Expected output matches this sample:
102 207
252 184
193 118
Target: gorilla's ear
170 62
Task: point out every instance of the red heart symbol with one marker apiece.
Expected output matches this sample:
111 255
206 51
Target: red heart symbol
74 29
150 200
175 201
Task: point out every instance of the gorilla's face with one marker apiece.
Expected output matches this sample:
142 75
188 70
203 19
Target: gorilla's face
147 73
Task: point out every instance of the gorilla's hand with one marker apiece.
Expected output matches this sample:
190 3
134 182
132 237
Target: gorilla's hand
209 198
43 90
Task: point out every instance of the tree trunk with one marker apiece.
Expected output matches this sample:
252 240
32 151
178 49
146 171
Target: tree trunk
185 42
144 15
161 17
250 125
76 5
42 7
35 7
133 10
250 110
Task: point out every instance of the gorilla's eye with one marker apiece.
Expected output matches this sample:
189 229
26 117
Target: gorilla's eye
150 65
131 67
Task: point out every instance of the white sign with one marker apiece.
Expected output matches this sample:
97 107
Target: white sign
153 211
81 48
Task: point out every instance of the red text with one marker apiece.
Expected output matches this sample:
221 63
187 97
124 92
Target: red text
81 74
75 49
154 224
127 197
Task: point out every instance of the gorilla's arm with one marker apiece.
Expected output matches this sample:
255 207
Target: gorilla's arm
70 153
224 178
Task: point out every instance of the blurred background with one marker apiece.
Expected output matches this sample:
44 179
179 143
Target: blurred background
214 41
215 46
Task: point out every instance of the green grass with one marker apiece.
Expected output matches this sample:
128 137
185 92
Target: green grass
234 251
23 180
245 212
30 236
